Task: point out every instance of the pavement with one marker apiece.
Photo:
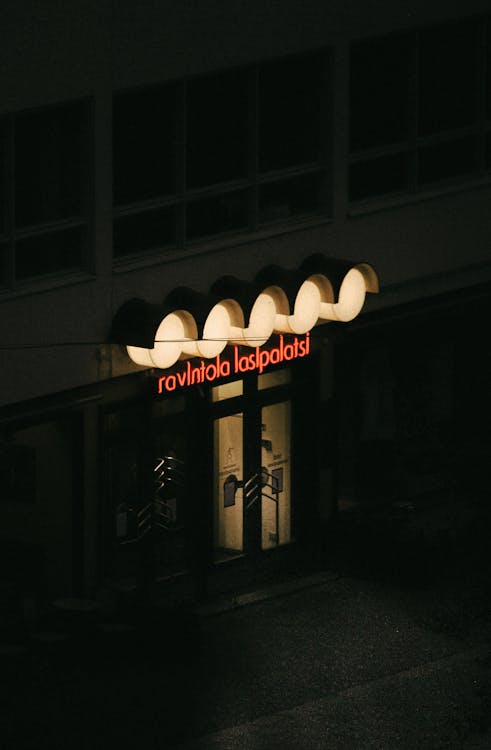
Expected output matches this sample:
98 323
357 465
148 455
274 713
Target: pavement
388 650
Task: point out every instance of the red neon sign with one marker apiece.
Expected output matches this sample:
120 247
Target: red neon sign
240 363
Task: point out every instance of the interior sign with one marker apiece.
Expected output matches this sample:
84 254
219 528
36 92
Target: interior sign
256 361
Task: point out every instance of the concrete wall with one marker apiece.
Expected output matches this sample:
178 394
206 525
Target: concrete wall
51 50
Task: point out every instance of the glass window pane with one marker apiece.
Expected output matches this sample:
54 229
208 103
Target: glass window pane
297 195
446 160
227 390
42 469
3 178
447 77
168 406
488 70
228 473
144 144
273 379
289 99
386 174
4 250
50 161
48 253
275 475
220 213
379 91
18 469
149 230
216 131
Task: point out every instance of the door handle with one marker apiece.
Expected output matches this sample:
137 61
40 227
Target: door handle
252 490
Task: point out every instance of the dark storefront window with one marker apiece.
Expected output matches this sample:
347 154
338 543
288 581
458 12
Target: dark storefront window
145 518
3 176
44 184
41 467
4 262
18 472
225 152
418 109
488 70
396 417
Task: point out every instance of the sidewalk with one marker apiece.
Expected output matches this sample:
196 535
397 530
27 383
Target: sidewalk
378 653
404 711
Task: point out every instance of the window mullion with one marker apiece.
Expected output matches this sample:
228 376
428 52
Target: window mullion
326 156
413 113
253 148
481 96
10 218
180 165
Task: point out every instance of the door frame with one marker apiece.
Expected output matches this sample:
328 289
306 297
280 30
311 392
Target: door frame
250 404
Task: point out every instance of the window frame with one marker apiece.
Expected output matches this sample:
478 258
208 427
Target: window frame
415 143
13 235
251 183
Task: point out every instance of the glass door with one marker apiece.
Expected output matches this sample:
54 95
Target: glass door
252 475
276 474
228 483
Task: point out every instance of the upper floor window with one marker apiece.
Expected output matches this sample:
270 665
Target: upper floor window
43 192
230 151
419 108
290 98
216 129
144 137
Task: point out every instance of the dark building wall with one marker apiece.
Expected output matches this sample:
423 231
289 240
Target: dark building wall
418 250
49 51
423 244
419 244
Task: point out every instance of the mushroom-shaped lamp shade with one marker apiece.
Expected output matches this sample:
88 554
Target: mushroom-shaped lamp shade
306 309
140 356
216 332
321 292
169 339
350 299
261 322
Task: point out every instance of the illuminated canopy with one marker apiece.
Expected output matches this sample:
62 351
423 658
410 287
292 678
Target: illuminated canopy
192 324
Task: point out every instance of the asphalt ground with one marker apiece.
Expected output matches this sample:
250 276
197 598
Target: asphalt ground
387 650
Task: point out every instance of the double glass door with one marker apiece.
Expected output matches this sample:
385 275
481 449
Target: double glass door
252 479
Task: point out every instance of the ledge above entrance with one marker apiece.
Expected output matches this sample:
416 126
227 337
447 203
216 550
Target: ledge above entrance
278 300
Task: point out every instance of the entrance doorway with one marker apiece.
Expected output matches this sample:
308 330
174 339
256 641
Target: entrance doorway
213 475
252 472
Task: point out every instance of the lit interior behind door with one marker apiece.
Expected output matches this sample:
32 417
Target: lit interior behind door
276 474
227 477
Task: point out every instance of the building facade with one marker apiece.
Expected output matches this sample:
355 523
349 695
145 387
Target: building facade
146 148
